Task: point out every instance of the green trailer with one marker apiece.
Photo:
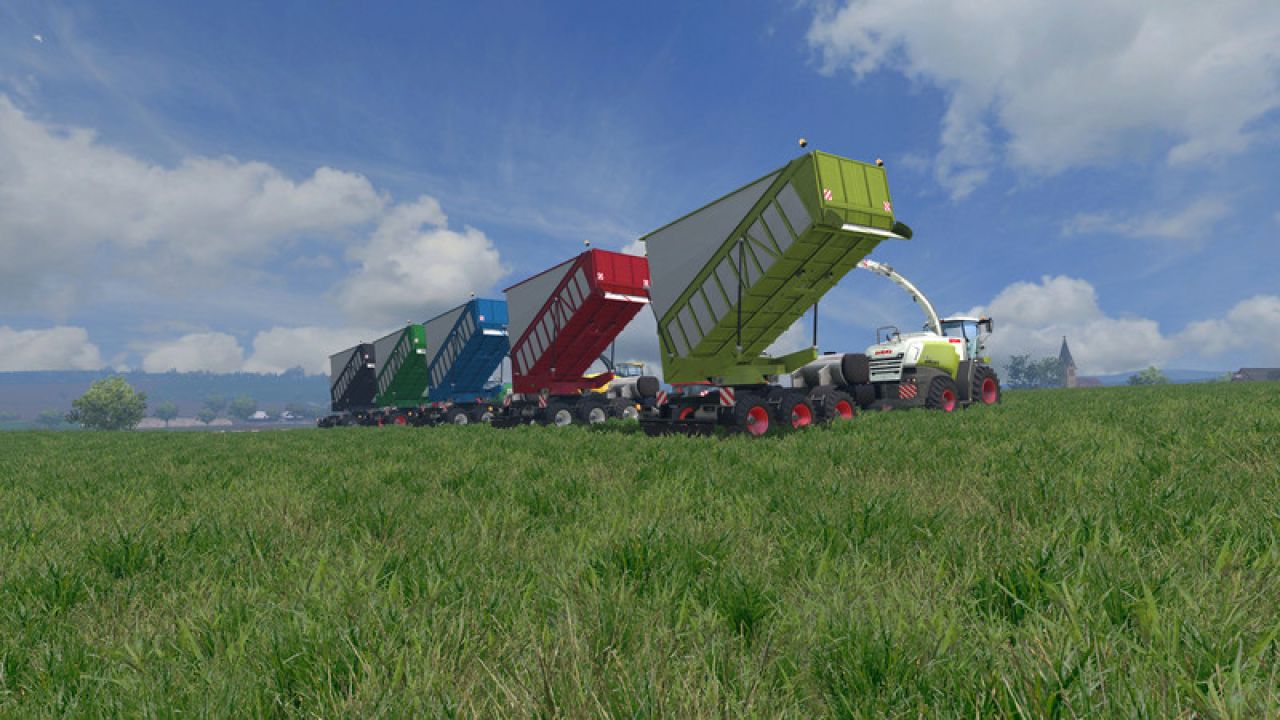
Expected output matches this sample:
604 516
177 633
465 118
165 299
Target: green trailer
728 279
402 373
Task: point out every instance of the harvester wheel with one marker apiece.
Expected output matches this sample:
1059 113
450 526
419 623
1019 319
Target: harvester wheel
942 394
986 386
794 410
839 406
558 413
457 416
400 419
593 412
751 415
482 415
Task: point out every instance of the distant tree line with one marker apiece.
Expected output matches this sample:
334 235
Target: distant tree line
1022 372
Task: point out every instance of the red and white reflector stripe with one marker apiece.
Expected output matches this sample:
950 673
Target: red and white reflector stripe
826 194
542 401
907 391
726 397
506 401
662 398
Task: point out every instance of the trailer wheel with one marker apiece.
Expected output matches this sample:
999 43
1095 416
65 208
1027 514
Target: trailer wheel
942 394
558 413
482 415
794 410
625 408
593 411
751 415
986 386
840 406
457 416
400 419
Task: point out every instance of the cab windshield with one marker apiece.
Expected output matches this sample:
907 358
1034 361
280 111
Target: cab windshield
958 329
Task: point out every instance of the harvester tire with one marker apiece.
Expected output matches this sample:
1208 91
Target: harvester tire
751 415
457 416
592 411
482 415
986 386
942 394
856 369
648 386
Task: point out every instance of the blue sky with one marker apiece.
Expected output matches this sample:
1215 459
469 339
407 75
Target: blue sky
252 186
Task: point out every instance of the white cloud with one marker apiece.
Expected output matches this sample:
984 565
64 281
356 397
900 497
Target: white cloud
72 205
1253 325
637 247
1034 317
280 349
56 348
1192 224
211 352
1070 84
414 266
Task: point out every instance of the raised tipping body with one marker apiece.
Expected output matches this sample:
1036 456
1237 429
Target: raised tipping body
352 378
467 345
731 277
402 368
561 321
564 318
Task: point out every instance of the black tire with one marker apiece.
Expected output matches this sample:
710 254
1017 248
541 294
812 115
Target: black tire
482 415
648 386
559 413
457 416
794 410
593 411
751 415
986 386
942 394
625 408
856 369
839 405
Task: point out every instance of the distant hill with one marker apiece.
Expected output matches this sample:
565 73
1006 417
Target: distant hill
1174 375
26 394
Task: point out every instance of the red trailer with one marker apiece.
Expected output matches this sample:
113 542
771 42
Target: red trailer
560 322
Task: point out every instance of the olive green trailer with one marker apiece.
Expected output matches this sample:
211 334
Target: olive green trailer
730 278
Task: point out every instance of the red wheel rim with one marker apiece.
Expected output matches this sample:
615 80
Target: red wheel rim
948 401
401 420
757 420
801 415
989 391
686 413
844 410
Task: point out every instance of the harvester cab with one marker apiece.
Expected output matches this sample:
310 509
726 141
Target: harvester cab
972 333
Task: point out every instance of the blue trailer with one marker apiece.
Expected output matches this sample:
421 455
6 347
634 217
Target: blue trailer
465 346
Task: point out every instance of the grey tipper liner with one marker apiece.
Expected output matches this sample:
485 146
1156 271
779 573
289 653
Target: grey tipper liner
338 362
437 330
382 348
678 252
526 299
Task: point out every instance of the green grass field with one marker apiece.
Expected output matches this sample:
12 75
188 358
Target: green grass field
1111 552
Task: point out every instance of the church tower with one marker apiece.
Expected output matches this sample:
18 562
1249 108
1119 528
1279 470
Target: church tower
1068 365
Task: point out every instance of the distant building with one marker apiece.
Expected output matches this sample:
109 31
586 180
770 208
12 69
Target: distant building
1251 374
1068 365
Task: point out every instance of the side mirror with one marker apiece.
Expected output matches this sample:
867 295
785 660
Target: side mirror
985 322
